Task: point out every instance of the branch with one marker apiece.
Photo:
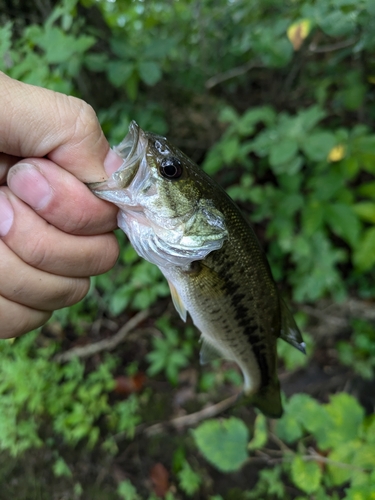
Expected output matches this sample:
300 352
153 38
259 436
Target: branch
313 455
105 344
232 73
332 47
192 418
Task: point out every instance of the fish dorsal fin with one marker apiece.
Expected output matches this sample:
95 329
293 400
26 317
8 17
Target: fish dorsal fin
177 302
289 329
208 353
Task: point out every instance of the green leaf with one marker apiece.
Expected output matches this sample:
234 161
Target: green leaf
127 491
149 72
231 149
343 222
288 428
223 443
365 456
246 124
317 145
343 454
346 418
306 475
260 433
283 151
312 217
189 481
119 72
61 468
364 256
365 210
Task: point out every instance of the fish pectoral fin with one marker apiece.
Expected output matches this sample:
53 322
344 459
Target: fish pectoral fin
208 353
177 302
289 329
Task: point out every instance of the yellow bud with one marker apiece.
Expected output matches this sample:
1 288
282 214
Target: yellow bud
337 153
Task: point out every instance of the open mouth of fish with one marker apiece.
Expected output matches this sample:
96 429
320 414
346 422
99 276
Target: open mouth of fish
131 149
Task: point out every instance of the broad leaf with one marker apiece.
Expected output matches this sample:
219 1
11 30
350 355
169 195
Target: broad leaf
223 443
306 475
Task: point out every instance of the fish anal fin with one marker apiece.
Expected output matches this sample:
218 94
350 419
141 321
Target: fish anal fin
208 353
177 302
289 329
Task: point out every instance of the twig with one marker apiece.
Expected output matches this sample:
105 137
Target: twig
232 73
280 443
332 47
192 418
105 344
313 455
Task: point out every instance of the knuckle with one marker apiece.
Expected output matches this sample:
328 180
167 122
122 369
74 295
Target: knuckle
86 122
37 252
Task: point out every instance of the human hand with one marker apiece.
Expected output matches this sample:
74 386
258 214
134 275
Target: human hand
54 233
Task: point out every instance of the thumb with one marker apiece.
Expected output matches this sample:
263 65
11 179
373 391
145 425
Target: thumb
37 122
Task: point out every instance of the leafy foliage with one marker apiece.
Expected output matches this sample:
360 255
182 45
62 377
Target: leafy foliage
276 99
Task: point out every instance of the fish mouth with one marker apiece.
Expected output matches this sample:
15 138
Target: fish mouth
131 149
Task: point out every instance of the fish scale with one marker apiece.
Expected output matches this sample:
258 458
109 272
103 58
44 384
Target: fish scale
178 218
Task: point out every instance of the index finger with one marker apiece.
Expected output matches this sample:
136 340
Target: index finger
36 122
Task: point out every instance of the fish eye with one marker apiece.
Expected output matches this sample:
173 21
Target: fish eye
171 168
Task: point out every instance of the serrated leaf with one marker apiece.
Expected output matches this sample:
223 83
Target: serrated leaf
223 443
306 475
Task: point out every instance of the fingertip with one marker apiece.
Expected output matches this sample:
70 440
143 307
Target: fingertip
112 162
18 319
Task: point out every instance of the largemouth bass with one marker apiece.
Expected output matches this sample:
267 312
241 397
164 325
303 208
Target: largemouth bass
178 218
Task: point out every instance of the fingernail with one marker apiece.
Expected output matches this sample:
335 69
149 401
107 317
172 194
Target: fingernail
112 162
28 183
6 215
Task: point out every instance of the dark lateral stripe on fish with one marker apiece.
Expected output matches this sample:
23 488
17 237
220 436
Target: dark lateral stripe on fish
249 331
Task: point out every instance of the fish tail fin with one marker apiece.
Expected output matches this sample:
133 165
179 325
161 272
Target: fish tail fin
268 400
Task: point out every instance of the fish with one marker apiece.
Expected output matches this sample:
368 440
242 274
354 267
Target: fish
178 218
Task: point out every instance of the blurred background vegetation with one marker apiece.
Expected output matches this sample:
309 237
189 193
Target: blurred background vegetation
276 100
